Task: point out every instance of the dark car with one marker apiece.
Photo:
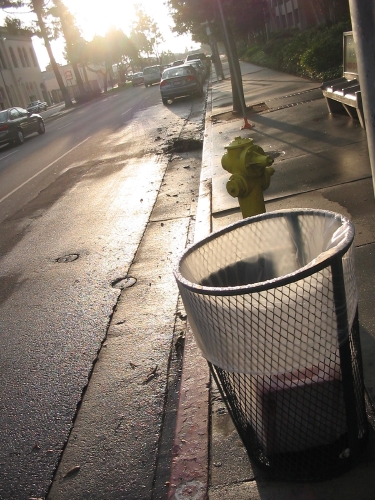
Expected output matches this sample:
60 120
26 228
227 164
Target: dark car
206 60
37 106
137 79
180 81
199 66
17 123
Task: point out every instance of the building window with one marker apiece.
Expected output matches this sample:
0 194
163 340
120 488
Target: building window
13 56
20 55
26 57
33 58
2 60
296 15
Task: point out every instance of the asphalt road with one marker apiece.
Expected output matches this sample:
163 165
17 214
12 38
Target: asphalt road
77 136
74 205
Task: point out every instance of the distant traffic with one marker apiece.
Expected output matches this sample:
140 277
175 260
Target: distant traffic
177 79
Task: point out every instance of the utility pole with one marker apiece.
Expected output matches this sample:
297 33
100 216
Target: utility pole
362 14
38 6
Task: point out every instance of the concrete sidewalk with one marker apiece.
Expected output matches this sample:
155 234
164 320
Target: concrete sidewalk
321 161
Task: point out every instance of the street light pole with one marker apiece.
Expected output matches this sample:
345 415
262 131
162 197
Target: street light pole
363 23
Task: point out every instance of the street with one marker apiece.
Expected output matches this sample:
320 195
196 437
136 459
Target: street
93 202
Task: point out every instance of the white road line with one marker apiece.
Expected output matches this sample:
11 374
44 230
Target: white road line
12 153
65 125
43 169
124 113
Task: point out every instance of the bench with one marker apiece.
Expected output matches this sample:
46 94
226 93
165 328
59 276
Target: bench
344 94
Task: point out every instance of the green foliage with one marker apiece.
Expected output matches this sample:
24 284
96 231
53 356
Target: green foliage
314 53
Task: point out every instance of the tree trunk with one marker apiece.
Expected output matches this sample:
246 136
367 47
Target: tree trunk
79 80
37 5
85 75
105 82
69 48
234 65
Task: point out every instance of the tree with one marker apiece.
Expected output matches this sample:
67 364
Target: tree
145 34
15 25
99 53
190 16
121 50
244 16
72 37
38 9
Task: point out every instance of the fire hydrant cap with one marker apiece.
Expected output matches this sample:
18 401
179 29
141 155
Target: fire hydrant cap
239 142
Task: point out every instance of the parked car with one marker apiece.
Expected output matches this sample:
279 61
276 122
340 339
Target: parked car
137 79
17 123
152 74
198 65
177 63
37 106
200 55
180 81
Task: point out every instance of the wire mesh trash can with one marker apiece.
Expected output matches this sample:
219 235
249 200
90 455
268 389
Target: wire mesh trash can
272 302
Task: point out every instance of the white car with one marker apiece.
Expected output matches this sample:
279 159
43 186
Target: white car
37 106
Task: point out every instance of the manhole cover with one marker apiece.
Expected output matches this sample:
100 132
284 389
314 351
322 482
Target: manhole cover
68 258
122 283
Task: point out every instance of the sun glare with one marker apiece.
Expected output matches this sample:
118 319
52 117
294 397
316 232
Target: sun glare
96 18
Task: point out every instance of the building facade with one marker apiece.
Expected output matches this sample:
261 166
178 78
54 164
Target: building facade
285 14
91 76
20 76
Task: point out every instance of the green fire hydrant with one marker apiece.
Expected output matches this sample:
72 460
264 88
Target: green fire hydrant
251 174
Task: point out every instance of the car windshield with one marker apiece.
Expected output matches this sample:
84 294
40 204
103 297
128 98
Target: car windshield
177 71
3 116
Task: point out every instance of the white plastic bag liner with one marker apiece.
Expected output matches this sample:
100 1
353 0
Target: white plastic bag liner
259 293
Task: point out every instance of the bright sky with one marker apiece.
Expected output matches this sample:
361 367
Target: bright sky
93 19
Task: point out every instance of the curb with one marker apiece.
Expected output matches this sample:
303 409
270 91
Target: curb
190 454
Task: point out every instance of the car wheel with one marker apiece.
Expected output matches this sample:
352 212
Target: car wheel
146 86
20 137
165 101
41 127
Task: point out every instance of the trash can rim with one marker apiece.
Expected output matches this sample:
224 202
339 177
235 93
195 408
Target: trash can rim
297 275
